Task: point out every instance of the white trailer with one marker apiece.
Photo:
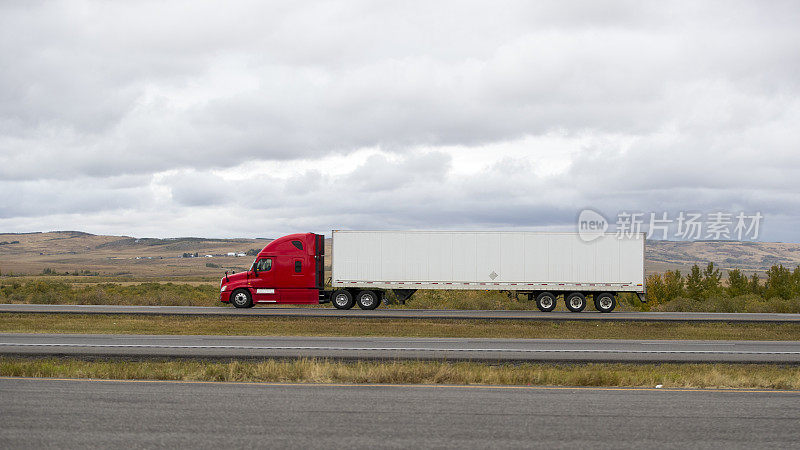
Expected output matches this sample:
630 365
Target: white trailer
541 265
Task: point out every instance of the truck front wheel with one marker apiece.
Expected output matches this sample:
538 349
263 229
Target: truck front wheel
605 302
342 299
546 301
576 302
241 298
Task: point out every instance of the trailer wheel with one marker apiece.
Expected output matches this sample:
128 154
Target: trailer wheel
241 298
342 299
367 300
576 302
605 302
546 301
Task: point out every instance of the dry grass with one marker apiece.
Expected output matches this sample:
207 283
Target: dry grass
493 300
199 292
52 292
743 303
289 326
417 372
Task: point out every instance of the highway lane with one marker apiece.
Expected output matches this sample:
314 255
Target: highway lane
384 313
394 348
41 413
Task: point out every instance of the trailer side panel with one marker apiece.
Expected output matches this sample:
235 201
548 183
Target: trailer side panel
524 261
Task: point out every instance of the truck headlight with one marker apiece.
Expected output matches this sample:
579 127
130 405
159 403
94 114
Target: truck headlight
222 289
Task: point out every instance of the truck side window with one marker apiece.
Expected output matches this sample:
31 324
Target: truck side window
298 244
298 266
264 265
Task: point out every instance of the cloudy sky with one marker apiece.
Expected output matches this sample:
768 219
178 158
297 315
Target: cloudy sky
256 119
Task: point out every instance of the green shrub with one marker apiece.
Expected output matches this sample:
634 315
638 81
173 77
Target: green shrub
779 283
656 291
755 285
712 278
737 283
674 284
694 283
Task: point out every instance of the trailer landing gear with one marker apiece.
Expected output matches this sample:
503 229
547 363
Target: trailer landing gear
403 294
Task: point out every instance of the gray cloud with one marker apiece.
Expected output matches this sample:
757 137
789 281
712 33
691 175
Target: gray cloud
141 107
36 198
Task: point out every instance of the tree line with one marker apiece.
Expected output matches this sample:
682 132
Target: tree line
706 283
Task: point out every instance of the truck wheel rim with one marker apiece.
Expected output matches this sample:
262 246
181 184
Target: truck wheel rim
341 299
546 302
575 302
240 299
605 303
367 300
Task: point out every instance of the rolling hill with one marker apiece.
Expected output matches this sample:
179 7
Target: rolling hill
75 251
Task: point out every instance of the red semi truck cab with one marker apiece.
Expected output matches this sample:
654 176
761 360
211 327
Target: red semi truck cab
289 269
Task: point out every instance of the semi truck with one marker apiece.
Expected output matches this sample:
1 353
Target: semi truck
367 265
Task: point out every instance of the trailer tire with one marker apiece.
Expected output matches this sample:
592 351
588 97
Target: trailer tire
367 300
342 299
605 302
575 301
546 301
241 298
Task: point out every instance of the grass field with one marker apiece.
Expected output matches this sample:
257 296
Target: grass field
53 291
88 291
198 292
288 326
739 376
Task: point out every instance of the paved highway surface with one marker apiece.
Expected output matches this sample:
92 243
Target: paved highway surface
383 313
40 413
400 348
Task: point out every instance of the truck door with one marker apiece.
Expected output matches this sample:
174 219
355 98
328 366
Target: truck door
263 282
298 292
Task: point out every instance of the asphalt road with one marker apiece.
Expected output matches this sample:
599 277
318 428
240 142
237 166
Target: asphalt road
389 348
39 413
383 313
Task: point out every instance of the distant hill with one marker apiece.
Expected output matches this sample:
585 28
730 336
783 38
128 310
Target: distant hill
746 256
71 251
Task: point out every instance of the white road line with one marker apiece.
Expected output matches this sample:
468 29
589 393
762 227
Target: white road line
691 343
404 349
